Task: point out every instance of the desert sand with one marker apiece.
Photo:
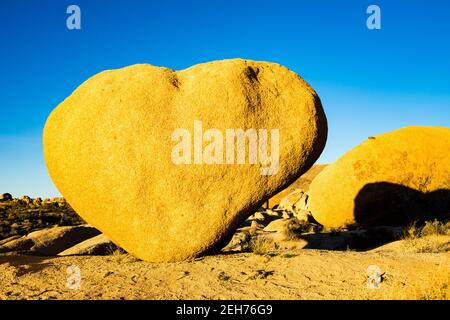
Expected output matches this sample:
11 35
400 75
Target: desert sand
290 274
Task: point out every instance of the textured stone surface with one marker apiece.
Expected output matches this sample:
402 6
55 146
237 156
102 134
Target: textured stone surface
279 225
98 245
108 150
296 204
391 179
50 241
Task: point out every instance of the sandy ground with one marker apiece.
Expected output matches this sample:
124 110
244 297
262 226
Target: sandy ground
292 274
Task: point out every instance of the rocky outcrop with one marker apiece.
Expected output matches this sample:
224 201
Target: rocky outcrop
99 245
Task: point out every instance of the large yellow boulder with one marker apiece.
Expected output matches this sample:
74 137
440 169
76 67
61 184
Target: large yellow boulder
155 159
391 179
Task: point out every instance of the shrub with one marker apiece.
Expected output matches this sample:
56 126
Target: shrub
430 228
435 228
262 246
295 227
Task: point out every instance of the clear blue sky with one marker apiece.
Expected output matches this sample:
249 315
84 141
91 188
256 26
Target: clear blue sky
369 81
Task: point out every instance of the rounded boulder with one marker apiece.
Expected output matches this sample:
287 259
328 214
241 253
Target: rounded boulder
168 163
392 179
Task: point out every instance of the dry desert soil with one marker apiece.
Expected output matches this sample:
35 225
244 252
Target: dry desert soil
290 274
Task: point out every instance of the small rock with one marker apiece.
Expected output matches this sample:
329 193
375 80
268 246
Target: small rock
256 225
99 245
302 215
107 274
273 213
287 215
261 274
259 216
296 205
279 225
223 276
297 199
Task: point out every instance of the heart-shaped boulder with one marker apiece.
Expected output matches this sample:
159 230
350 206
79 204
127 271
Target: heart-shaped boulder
168 164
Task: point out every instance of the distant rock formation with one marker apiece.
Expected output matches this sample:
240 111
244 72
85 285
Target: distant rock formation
6 197
19 216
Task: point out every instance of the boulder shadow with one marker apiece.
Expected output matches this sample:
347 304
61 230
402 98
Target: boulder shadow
382 210
26 264
359 240
390 204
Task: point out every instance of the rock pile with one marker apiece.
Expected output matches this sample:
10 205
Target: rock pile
296 204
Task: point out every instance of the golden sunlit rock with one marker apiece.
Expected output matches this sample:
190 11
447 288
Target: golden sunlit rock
395 178
145 155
